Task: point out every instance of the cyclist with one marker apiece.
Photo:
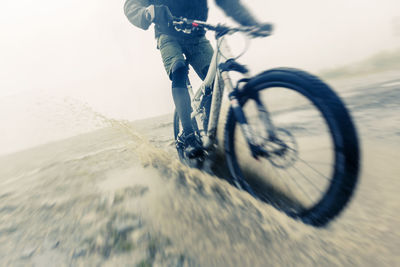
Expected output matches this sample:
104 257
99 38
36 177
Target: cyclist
173 45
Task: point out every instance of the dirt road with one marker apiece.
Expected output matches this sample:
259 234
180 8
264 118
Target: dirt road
112 198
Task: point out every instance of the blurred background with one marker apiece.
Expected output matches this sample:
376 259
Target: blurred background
58 55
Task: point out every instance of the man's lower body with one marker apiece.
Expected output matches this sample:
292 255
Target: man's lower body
198 53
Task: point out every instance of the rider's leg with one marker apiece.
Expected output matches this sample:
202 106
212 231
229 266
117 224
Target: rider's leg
199 53
176 68
193 147
175 65
181 95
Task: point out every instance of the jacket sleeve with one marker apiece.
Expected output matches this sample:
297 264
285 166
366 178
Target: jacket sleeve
236 10
135 12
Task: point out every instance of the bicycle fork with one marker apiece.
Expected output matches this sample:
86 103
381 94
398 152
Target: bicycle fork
248 133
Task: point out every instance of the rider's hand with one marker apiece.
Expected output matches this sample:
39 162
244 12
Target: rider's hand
159 14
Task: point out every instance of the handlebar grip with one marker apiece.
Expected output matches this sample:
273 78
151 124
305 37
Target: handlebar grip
267 27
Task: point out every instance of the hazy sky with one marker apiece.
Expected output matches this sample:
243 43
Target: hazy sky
88 48
88 51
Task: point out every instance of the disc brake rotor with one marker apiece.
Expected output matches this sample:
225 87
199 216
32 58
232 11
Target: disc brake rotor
283 152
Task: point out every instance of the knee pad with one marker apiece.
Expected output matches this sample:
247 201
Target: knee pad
179 74
178 66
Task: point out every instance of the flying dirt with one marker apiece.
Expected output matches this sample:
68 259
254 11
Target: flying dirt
119 196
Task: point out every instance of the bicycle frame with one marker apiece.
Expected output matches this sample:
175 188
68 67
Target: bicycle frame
219 80
218 77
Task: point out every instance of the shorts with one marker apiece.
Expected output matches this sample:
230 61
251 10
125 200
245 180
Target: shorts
197 50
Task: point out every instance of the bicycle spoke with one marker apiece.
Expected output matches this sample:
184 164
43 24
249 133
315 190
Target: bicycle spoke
289 203
298 185
319 162
306 178
311 167
284 182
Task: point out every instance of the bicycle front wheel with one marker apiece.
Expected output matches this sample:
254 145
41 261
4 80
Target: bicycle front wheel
313 158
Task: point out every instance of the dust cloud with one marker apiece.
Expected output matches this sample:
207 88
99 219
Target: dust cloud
119 196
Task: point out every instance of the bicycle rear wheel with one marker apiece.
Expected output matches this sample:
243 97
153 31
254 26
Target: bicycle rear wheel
312 171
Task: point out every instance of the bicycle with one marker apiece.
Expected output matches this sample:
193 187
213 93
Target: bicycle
260 108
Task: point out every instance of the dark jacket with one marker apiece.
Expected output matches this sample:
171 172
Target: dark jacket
191 9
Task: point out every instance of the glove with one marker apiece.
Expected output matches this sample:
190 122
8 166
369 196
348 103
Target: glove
159 14
262 30
266 27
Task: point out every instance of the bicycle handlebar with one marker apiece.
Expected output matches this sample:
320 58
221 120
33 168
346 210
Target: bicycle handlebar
188 26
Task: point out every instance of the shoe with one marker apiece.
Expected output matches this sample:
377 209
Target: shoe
193 146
